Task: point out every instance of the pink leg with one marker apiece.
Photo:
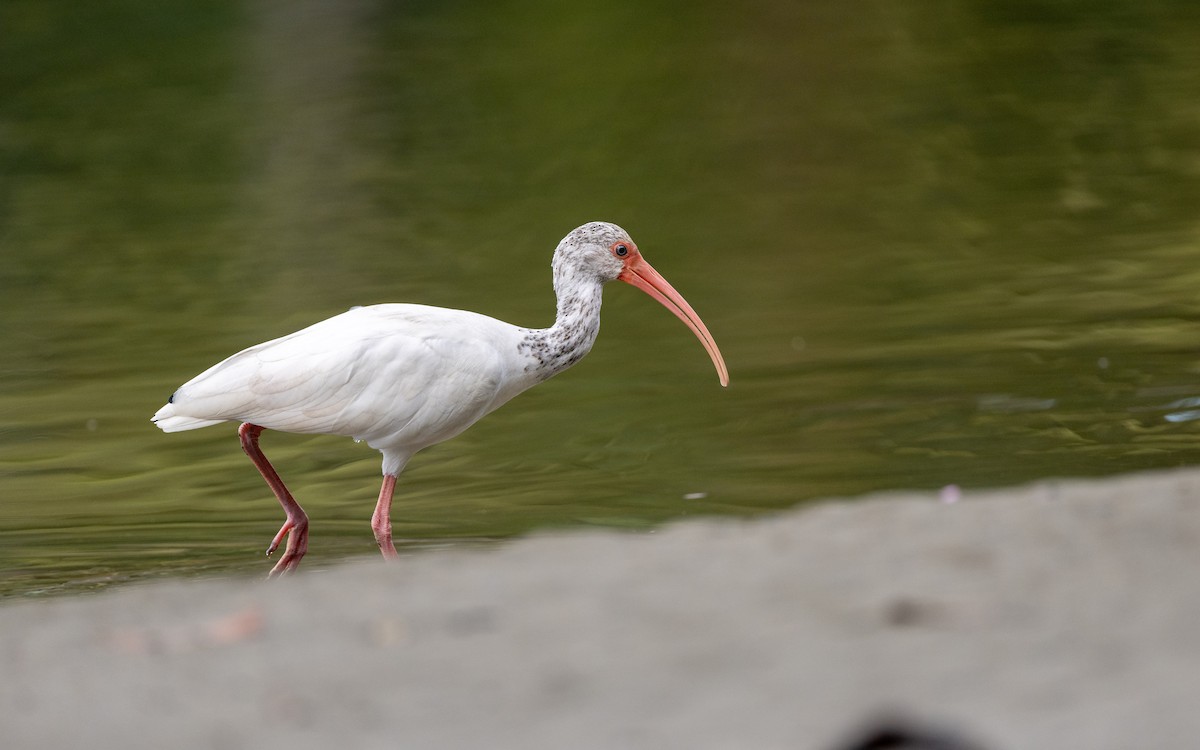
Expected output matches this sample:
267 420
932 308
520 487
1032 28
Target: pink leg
295 527
381 520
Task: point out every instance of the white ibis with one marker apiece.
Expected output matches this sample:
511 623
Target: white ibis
404 377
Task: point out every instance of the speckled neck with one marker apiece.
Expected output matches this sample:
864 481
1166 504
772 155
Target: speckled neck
554 349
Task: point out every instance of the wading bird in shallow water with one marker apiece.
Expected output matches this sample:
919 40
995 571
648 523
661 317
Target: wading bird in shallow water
404 377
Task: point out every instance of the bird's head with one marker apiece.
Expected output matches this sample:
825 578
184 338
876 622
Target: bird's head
590 252
600 251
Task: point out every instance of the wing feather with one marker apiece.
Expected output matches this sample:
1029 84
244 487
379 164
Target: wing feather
385 373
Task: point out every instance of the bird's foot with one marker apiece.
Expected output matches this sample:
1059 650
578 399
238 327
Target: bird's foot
383 537
382 528
296 531
389 550
381 521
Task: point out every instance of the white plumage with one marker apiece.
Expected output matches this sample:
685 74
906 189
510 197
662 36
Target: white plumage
403 377
400 377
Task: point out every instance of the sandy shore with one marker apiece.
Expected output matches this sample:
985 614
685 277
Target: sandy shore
1060 615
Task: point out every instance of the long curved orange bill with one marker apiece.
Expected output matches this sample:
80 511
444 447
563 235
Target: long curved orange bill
641 274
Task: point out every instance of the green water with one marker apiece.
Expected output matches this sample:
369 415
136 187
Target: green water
938 243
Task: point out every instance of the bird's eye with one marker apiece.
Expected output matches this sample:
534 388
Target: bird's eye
620 250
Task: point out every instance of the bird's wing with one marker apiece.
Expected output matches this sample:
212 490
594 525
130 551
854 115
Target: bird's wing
368 372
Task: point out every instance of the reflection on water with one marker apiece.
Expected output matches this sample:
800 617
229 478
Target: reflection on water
937 245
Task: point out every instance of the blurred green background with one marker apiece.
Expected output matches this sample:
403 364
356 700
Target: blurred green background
938 242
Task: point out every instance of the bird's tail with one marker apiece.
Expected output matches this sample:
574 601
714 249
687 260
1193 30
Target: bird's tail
169 421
